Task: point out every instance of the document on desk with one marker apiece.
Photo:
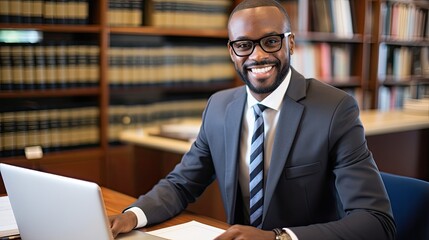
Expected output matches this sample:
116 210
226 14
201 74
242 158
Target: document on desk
189 230
8 226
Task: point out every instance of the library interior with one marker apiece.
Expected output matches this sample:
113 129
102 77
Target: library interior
113 91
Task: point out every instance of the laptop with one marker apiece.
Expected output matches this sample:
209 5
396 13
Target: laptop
48 206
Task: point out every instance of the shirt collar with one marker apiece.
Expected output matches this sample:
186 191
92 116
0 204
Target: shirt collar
274 100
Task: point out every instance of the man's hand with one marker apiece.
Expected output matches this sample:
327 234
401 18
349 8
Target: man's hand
246 232
122 223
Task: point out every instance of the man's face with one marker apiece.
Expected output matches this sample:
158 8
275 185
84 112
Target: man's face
261 71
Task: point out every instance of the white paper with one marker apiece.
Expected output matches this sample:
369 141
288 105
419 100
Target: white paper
189 230
8 226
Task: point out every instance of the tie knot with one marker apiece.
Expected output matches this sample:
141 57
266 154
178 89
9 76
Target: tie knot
258 109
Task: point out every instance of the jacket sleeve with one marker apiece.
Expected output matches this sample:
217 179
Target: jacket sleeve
183 185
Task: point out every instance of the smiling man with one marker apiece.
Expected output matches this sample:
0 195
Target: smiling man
289 153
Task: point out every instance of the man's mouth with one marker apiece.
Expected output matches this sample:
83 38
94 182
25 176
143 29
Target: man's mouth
259 70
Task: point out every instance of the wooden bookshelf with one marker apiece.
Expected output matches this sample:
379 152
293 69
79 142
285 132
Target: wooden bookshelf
400 52
361 80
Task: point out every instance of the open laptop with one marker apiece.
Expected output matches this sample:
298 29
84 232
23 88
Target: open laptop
48 206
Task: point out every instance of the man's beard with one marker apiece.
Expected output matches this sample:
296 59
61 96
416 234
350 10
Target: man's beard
263 90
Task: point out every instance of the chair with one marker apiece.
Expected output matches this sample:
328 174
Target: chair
409 198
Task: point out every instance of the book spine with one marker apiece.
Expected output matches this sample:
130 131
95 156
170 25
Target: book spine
71 69
5 11
40 67
50 67
8 136
6 68
15 11
29 66
17 67
37 11
60 65
49 11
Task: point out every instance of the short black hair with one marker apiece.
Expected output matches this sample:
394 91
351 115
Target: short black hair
260 3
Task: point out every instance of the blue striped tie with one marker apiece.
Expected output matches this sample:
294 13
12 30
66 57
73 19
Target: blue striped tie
256 168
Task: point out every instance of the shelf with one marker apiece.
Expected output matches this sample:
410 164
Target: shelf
350 82
177 88
181 32
52 27
66 154
400 42
92 91
391 81
327 37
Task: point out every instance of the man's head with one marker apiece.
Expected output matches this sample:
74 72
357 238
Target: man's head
262 64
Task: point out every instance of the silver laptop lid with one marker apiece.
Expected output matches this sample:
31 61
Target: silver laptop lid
48 206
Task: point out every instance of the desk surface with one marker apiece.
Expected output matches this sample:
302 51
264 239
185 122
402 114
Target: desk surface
115 202
375 123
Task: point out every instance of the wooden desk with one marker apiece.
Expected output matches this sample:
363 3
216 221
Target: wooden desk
115 202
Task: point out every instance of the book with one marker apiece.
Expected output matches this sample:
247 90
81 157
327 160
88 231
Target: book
8 225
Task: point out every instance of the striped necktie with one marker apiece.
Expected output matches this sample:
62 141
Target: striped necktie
256 168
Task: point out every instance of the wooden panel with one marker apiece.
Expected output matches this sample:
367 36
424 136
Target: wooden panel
120 174
403 153
81 165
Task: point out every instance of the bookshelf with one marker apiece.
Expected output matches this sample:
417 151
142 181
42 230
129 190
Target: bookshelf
400 53
129 45
68 88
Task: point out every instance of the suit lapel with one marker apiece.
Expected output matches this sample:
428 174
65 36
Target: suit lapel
233 120
290 116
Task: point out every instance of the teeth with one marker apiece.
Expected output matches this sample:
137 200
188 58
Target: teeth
261 70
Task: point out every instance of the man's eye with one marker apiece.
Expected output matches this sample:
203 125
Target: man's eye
271 41
243 45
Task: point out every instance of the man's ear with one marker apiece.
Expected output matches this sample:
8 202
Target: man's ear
291 43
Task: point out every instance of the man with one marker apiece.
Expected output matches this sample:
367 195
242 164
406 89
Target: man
318 179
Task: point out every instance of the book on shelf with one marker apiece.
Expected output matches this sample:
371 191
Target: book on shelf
169 64
49 65
45 11
334 16
393 97
404 21
125 13
321 15
323 61
342 18
187 14
125 115
53 128
402 63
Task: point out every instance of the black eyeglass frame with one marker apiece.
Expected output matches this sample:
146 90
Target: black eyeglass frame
258 41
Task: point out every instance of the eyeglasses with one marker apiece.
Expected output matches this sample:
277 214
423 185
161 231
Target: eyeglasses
269 44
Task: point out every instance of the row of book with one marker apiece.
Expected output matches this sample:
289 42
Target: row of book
403 21
187 13
391 98
335 16
52 129
48 66
137 116
323 61
131 66
125 13
45 11
401 63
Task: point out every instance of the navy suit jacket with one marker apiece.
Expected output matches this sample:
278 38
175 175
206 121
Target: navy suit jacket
323 182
